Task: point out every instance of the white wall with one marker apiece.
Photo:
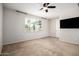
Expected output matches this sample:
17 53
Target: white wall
14 24
0 27
52 24
54 27
67 35
70 35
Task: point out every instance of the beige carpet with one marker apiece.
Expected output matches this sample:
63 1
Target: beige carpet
41 47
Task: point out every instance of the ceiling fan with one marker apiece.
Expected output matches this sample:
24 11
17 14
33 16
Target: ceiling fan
46 6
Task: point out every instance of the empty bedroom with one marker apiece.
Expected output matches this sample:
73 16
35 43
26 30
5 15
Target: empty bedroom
39 29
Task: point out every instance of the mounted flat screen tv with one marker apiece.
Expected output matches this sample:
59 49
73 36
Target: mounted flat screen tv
70 23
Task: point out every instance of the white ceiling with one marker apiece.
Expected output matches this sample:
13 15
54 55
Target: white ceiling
34 8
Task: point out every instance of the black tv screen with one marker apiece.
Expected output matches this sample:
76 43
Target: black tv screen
70 23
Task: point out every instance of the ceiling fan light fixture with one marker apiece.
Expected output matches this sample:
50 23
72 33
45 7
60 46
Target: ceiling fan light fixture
45 8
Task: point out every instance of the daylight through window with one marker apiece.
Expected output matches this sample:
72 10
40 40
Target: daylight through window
32 25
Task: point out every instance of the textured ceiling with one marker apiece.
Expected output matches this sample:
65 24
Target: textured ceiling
34 8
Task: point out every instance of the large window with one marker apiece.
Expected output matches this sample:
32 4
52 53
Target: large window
32 25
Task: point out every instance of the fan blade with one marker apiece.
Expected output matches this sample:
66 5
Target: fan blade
48 3
46 10
41 9
51 7
45 4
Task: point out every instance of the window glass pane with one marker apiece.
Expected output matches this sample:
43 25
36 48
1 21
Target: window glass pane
32 25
